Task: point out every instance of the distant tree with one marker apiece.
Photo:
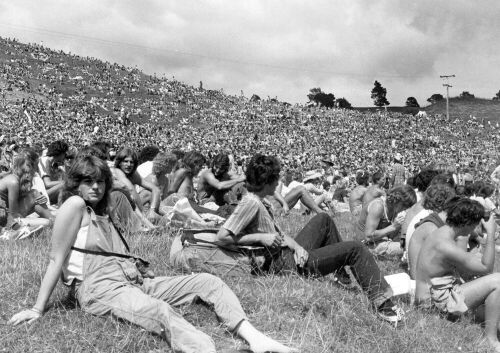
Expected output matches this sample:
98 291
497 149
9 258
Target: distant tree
497 96
255 98
343 103
466 95
379 95
412 102
321 98
436 97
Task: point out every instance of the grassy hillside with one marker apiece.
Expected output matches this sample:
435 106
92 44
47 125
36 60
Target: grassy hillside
465 107
314 315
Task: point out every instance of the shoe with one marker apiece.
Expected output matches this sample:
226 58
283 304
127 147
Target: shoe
342 278
390 312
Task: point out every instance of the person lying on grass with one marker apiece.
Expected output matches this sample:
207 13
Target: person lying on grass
86 250
439 285
317 250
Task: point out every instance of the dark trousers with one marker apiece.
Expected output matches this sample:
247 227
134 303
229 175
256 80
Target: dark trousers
328 254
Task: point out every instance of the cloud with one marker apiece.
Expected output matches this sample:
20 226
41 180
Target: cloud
279 48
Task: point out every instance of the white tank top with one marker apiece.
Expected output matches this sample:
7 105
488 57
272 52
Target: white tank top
73 265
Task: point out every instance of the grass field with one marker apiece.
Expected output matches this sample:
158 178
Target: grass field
313 315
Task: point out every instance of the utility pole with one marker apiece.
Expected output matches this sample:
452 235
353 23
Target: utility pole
447 85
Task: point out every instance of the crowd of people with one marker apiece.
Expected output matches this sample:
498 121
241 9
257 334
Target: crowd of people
94 151
82 99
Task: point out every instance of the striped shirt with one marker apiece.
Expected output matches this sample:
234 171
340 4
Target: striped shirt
250 216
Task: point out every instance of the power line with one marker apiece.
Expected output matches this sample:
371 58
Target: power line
203 56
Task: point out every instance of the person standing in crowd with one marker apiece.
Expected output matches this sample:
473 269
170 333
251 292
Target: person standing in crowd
398 173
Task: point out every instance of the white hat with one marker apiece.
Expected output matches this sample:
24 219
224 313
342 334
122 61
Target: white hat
311 175
398 156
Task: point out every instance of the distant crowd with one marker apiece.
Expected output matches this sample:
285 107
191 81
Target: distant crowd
95 151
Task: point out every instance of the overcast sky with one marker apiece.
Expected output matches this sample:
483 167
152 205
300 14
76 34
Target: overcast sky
281 48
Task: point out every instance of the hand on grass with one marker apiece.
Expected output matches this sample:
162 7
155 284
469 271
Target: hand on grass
300 256
28 315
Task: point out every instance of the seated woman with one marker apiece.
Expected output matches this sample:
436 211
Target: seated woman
20 200
84 248
126 177
380 221
317 250
51 168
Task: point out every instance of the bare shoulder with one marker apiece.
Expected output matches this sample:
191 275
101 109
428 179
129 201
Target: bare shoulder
73 204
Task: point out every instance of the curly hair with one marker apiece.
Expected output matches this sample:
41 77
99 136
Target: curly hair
193 160
23 168
486 190
164 163
148 153
88 168
400 198
91 151
124 153
436 196
463 212
57 148
424 178
262 170
221 160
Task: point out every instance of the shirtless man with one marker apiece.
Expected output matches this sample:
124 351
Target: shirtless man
356 196
376 189
182 179
217 185
434 201
162 164
439 286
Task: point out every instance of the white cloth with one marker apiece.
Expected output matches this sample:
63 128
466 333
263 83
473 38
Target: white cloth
145 169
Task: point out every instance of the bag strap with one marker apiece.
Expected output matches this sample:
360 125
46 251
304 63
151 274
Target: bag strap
109 253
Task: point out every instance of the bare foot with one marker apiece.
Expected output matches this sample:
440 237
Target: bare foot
267 344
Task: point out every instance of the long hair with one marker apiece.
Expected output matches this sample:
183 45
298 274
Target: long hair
85 168
23 168
124 153
399 198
